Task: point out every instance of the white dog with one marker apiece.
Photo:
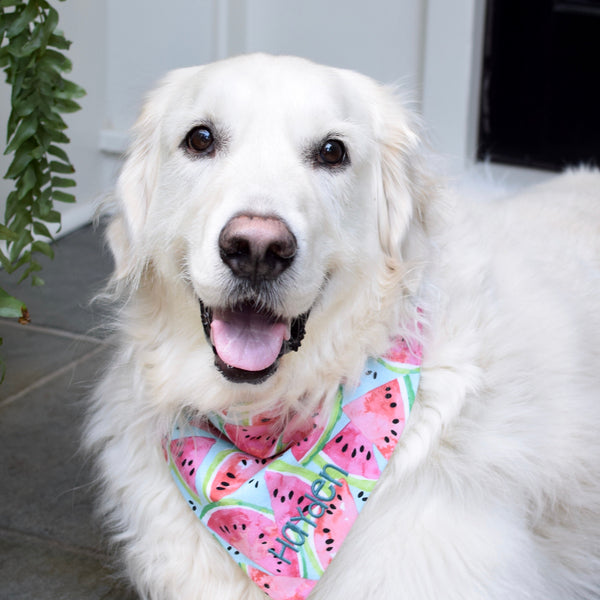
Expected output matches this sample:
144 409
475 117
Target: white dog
275 226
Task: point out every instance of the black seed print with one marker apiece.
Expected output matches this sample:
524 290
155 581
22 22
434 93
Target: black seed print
360 494
344 447
326 530
282 499
393 405
362 449
339 438
275 493
192 471
387 439
329 549
291 494
183 462
388 396
261 536
353 453
396 421
393 432
329 541
231 475
267 586
369 455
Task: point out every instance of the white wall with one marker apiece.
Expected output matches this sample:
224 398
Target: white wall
382 38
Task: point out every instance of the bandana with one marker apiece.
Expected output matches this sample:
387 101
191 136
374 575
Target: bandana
279 494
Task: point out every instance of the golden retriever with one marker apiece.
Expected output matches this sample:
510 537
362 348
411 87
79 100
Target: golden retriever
295 200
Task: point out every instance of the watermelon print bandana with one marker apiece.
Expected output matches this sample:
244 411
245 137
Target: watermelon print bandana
281 498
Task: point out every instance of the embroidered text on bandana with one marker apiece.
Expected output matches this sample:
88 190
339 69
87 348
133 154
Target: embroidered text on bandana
282 503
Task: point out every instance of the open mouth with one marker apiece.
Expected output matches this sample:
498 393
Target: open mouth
248 342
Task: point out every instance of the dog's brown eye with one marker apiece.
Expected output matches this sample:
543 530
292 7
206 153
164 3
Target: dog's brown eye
200 140
332 153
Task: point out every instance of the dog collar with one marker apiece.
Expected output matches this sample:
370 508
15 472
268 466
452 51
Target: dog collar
281 499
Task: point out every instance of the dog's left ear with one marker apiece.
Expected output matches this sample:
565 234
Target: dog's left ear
404 185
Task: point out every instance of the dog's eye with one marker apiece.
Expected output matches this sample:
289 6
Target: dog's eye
200 140
332 153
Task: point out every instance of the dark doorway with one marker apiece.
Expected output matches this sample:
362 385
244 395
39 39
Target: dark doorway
540 93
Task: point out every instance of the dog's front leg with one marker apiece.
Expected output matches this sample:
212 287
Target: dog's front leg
417 539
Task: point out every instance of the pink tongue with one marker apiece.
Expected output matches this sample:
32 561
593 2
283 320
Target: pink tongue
247 340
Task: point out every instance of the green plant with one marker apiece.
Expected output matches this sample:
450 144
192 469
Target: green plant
32 59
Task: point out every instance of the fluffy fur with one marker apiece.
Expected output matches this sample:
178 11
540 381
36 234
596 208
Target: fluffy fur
493 491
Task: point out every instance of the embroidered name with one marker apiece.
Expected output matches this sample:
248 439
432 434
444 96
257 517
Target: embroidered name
293 535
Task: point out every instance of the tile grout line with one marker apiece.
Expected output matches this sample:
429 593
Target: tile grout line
53 331
48 378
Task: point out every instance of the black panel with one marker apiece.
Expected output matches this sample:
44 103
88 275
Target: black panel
540 98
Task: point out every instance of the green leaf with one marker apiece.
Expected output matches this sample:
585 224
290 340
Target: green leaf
61 197
33 267
40 229
42 248
27 182
60 167
10 306
15 250
57 40
26 129
59 153
54 216
66 106
7 234
21 160
23 20
57 60
62 182
58 137
69 90
37 281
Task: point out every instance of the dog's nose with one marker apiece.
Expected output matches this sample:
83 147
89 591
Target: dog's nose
256 247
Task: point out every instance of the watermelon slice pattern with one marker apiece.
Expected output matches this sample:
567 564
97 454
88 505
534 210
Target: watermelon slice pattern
282 517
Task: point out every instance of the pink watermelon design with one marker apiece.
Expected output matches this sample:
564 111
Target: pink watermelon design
401 353
235 469
288 492
353 452
335 524
301 448
187 454
379 414
252 533
258 440
282 588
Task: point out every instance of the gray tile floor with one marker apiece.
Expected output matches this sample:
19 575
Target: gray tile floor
50 544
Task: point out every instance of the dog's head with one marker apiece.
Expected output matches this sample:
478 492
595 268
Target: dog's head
272 193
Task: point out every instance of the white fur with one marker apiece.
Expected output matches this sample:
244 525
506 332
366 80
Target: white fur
494 490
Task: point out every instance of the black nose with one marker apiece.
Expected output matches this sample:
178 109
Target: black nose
257 248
